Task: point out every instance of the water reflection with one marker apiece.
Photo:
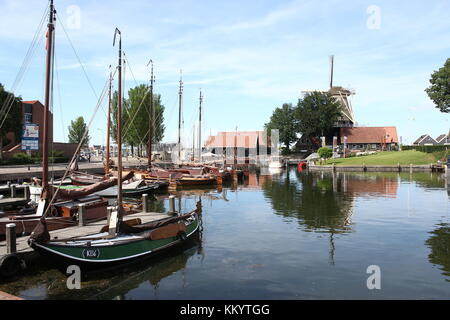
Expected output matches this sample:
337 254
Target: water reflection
312 200
351 219
439 243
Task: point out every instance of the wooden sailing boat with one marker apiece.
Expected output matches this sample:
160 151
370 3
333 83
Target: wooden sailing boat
184 175
119 241
141 185
61 214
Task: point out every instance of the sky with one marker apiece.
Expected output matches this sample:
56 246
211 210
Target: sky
247 57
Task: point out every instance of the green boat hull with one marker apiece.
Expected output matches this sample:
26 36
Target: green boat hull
103 255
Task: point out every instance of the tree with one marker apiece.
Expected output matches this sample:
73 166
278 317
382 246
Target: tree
135 117
11 116
76 132
439 91
316 114
284 120
325 152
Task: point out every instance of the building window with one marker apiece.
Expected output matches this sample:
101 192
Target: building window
28 118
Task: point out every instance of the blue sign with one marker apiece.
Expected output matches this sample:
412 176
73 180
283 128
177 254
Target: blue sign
30 137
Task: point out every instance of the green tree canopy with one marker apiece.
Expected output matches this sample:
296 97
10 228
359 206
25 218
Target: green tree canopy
136 118
13 122
317 113
439 91
76 132
284 120
325 152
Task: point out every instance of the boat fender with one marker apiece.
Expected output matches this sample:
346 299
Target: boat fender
182 236
10 265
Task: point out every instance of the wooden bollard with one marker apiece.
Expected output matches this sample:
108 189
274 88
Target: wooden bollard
410 168
26 192
109 211
145 203
13 191
11 238
172 204
399 167
81 212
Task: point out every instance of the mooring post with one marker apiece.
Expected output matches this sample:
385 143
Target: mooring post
145 203
410 168
13 191
26 192
172 204
108 214
399 168
11 238
81 209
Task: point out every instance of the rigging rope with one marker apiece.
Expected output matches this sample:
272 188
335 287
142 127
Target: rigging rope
9 101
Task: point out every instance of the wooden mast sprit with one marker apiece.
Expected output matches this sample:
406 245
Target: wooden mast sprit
48 89
151 119
119 128
180 99
108 130
200 128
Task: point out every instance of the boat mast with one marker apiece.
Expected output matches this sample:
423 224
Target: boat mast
151 119
180 101
119 128
331 70
108 130
193 144
200 128
48 92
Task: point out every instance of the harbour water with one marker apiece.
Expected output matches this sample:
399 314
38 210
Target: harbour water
288 235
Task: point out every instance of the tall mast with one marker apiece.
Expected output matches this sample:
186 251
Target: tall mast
108 130
119 128
48 92
200 128
193 144
331 70
151 119
180 102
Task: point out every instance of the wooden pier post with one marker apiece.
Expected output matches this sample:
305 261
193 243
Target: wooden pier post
399 168
81 214
11 238
145 203
109 211
410 168
171 204
13 191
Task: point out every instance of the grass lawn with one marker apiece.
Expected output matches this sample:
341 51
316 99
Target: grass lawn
392 158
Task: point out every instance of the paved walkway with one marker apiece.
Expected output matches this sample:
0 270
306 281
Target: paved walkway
7 296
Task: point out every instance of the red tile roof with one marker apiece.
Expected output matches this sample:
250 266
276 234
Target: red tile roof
369 135
30 102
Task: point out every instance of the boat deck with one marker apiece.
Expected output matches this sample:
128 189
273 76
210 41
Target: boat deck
13 202
94 227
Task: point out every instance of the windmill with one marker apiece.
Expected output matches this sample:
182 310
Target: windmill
342 95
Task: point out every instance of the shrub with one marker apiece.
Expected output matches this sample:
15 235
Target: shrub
325 152
427 149
21 158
